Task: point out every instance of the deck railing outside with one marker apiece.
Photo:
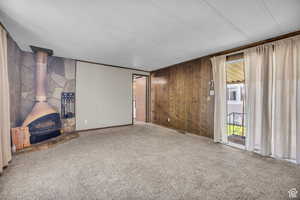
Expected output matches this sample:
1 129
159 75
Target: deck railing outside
236 124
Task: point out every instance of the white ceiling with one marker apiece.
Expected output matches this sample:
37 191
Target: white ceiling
145 34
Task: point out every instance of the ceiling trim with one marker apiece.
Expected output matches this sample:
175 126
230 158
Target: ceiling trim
228 51
108 65
261 42
240 48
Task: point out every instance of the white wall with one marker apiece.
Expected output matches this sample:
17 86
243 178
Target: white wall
103 95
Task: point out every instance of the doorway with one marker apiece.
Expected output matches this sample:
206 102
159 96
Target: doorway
140 98
236 116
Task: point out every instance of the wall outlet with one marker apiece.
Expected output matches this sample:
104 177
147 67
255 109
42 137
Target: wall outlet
169 119
85 122
211 92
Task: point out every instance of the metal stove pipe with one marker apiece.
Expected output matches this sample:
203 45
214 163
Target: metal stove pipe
41 107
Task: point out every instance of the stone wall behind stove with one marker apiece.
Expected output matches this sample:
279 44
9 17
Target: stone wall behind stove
60 78
21 75
14 54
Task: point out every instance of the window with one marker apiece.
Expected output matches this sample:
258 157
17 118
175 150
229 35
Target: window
232 95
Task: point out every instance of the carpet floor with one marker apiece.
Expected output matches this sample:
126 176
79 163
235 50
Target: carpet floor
146 161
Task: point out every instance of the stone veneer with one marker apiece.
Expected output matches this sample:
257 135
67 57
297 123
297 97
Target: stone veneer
14 76
21 73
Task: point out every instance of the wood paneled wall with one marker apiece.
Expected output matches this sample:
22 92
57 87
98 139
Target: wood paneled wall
180 97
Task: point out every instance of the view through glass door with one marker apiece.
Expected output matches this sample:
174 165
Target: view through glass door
236 116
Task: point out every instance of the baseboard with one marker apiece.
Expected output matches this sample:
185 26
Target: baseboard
175 129
94 129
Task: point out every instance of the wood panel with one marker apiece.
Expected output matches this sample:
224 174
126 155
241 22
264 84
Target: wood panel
180 92
180 97
20 137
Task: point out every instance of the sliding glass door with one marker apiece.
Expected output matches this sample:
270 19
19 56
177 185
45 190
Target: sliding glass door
235 86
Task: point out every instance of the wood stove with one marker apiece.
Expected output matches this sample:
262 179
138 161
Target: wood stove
43 121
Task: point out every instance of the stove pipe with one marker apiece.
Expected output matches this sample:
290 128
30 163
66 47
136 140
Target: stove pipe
41 106
43 120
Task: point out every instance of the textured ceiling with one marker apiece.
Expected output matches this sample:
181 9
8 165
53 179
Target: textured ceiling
145 34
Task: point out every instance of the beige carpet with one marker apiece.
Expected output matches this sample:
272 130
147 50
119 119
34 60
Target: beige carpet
146 162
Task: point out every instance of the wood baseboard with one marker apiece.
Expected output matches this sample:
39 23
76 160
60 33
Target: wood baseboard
94 129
